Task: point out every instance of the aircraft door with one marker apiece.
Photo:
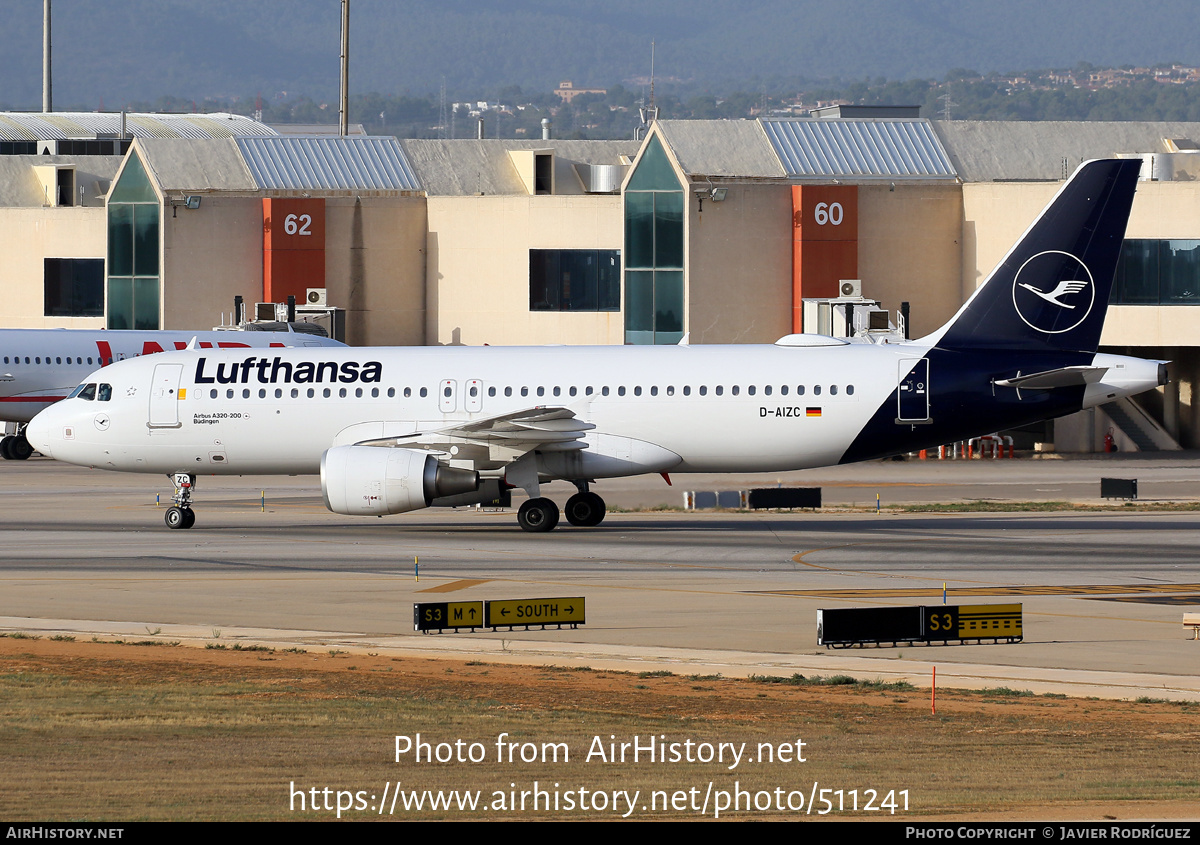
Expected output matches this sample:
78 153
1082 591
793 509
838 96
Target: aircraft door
912 394
474 398
164 396
448 396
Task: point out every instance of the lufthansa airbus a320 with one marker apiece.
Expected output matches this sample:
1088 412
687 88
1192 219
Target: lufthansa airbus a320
396 429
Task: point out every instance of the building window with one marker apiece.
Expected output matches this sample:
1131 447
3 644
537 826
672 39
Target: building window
133 239
654 206
574 280
1158 272
74 287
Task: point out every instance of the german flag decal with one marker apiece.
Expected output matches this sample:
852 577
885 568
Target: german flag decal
812 412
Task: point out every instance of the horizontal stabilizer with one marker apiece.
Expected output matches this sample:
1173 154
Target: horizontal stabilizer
1050 379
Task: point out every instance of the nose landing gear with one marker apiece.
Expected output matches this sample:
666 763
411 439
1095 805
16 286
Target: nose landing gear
181 515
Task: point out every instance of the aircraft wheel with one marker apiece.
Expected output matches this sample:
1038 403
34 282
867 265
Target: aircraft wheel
176 517
19 448
4 448
190 517
538 515
585 509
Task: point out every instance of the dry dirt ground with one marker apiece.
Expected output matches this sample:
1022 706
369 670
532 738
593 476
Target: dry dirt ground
102 731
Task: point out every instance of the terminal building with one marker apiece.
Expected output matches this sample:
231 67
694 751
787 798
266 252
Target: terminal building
704 231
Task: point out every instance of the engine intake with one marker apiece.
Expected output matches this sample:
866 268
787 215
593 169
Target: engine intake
374 480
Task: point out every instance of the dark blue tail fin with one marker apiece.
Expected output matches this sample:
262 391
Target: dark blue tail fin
1051 291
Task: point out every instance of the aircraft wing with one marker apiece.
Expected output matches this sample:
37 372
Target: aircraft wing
499 439
1050 379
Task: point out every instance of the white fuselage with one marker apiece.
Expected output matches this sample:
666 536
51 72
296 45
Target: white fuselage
717 408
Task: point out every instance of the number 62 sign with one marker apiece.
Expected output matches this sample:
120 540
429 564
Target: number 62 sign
294 223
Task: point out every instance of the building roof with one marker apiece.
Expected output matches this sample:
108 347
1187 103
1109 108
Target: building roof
472 167
278 164
807 148
1048 150
849 148
195 165
318 129
20 188
56 126
730 148
345 164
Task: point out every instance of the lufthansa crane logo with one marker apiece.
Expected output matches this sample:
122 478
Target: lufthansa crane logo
1053 292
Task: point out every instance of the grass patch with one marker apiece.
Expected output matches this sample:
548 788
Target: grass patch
798 680
1039 507
986 507
145 642
657 673
1006 692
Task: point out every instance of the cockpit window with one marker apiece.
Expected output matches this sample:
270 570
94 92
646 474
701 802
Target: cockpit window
84 391
104 393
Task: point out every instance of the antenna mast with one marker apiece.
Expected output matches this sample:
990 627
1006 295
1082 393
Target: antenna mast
649 113
47 99
344 115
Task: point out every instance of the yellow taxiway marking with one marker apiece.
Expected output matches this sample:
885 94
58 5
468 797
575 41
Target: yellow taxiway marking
1029 590
451 586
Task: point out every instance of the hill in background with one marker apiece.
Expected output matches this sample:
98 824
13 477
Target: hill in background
117 53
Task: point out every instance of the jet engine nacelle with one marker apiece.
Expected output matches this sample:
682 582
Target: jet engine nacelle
374 480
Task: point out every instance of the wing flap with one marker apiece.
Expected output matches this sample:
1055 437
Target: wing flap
498 439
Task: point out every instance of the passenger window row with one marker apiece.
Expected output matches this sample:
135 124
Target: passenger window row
670 390
294 393
541 392
16 359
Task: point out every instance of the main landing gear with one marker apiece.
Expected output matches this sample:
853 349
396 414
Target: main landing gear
584 509
15 447
538 515
181 514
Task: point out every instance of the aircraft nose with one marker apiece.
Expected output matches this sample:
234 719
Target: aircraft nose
38 433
